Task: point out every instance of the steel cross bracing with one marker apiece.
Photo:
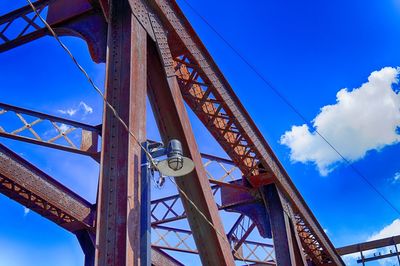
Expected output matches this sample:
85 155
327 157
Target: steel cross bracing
68 18
205 90
46 130
214 102
12 35
181 240
34 189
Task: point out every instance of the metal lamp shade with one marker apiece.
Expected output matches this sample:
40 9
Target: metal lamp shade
166 170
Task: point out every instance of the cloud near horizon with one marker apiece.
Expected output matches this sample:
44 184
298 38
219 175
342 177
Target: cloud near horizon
363 119
390 230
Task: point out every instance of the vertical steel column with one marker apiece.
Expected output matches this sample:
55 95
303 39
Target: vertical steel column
173 122
362 258
145 209
118 217
284 245
86 240
397 251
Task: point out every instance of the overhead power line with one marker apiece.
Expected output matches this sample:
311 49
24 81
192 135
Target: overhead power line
291 106
125 126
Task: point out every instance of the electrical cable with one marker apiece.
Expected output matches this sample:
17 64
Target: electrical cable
53 33
205 218
291 106
115 113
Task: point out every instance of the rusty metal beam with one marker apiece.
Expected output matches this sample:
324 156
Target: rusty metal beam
87 242
26 184
179 240
221 111
281 228
173 122
240 231
380 243
161 258
205 90
8 42
66 17
170 212
118 238
49 131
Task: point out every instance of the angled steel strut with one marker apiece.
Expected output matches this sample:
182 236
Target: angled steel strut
151 50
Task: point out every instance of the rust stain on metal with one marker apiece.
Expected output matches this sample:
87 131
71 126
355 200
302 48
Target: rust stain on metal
40 192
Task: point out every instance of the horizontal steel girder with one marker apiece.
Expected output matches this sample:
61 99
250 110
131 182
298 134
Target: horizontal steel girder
380 243
36 190
47 130
211 98
26 184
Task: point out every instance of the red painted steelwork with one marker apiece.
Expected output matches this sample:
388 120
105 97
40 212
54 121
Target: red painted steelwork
118 220
37 191
78 18
212 99
173 122
204 89
53 132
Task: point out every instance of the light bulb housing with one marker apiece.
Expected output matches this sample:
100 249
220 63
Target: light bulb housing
175 164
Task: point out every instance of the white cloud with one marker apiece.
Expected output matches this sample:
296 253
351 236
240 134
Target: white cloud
396 177
84 107
26 211
390 230
364 119
70 112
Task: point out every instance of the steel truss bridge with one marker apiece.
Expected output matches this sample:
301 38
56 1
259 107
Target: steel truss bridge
151 50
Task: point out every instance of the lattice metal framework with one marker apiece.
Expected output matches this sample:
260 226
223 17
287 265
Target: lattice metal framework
22 26
187 64
31 187
46 130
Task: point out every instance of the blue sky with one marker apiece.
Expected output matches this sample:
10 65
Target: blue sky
308 50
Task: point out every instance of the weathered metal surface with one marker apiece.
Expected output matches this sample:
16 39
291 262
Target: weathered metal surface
48 130
239 232
118 220
173 123
34 189
380 243
161 258
203 87
87 242
27 20
255 208
169 209
140 10
145 204
210 96
280 225
181 240
71 18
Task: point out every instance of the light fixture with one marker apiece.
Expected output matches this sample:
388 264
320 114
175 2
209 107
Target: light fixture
175 164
